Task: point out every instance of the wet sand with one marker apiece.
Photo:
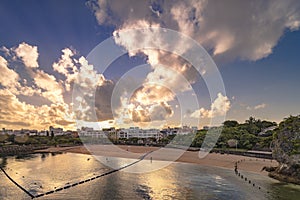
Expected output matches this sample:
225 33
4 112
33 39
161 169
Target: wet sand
249 164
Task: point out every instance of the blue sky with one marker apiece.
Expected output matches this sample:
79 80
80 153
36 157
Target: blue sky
257 55
273 80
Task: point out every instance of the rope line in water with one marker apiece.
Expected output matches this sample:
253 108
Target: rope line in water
19 186
74 184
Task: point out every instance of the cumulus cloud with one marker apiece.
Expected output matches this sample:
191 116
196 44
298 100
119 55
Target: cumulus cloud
170 73
161 111
29 54
77 70
92 95
16 114
150 94
148 104
66 66
103 95
257 107
260 106
246 30
18 95
52 90
150 113
219 107
87 76
9 77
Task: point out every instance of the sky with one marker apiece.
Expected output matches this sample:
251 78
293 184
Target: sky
52 59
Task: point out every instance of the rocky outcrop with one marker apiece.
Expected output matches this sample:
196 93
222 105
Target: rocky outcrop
287 174
286 150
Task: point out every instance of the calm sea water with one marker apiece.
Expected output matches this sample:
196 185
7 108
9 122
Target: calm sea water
40 173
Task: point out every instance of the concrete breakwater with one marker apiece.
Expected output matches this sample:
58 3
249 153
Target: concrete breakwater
18 150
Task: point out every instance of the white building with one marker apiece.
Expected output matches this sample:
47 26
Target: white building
56 131
7 131
17 132
43 133
90 132
184 130
136 132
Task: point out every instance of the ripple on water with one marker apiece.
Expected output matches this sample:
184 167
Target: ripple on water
177 181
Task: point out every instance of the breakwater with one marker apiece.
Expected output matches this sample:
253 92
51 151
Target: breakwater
19 150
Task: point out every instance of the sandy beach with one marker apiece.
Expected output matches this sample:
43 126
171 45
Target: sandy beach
249 164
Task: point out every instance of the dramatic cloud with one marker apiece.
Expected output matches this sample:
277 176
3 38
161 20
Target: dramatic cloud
29 54
170 74
87 76
16 114
236 29
219 107
245 30
103 97
52 90
92 95
147 103
151 105
19 93
150 94
67 67
9 77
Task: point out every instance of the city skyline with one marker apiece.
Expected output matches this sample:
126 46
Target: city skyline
43 54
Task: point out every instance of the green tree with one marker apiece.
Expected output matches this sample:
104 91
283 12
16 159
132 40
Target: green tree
287 141
230 123
286 148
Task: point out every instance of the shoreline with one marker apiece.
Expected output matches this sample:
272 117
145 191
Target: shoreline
249 164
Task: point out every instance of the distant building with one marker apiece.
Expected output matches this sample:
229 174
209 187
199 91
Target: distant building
111 133
136 132
184 130
43 133
90 132
32 132
17 132
7 131
56 131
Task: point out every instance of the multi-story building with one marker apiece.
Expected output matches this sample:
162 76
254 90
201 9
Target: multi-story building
136 132
56 131
43 133
90 132
179 130
7 131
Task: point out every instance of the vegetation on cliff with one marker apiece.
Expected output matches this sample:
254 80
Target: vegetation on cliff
286 150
